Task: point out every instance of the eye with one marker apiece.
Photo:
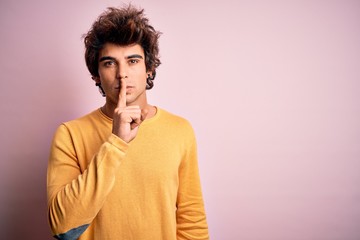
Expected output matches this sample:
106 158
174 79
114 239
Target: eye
133 61
109 63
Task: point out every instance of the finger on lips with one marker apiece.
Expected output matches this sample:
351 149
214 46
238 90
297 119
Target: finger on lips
122 94
132 115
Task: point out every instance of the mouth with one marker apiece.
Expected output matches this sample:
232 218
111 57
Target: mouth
129 89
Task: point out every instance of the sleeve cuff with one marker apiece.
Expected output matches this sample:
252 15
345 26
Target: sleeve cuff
118 143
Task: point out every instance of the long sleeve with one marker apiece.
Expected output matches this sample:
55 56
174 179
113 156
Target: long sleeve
75 196
191 218
100 187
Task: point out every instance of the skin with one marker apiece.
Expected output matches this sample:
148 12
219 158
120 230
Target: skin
122 74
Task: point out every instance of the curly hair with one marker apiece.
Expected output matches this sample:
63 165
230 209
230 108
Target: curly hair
122 26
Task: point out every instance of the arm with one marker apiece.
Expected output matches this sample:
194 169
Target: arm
75 198
191 218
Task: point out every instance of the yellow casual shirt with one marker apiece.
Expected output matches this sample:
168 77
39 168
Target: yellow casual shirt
100 187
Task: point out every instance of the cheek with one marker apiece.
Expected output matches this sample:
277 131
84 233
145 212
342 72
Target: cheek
145 81
142 78
102 75
107 75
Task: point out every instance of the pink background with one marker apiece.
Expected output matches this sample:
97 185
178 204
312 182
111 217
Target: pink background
272 89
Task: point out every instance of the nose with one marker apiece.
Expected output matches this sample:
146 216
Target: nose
122 71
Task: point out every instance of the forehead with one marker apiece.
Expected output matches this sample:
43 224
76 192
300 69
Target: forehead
121 51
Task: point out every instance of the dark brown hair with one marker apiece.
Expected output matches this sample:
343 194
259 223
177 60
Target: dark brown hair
122 26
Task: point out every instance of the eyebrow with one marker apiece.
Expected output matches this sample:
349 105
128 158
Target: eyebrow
106 58
134 56
127 57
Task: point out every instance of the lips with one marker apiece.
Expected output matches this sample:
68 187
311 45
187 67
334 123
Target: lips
129 89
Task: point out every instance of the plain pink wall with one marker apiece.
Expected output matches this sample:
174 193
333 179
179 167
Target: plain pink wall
272 89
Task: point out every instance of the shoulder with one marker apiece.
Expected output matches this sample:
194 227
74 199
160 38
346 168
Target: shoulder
90 118
173 118
84 123
175 123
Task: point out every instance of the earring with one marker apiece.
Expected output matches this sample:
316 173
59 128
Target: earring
101 90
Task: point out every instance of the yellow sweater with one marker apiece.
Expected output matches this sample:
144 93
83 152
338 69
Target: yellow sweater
101 188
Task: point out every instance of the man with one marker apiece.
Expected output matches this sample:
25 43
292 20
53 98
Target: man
128 170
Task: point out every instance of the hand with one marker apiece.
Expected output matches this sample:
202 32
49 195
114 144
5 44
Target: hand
126 119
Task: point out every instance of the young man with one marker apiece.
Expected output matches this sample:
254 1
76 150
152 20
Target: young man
128 170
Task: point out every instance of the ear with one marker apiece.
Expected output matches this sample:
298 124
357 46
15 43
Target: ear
149 73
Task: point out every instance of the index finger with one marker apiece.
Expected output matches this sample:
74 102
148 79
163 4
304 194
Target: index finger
122 94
